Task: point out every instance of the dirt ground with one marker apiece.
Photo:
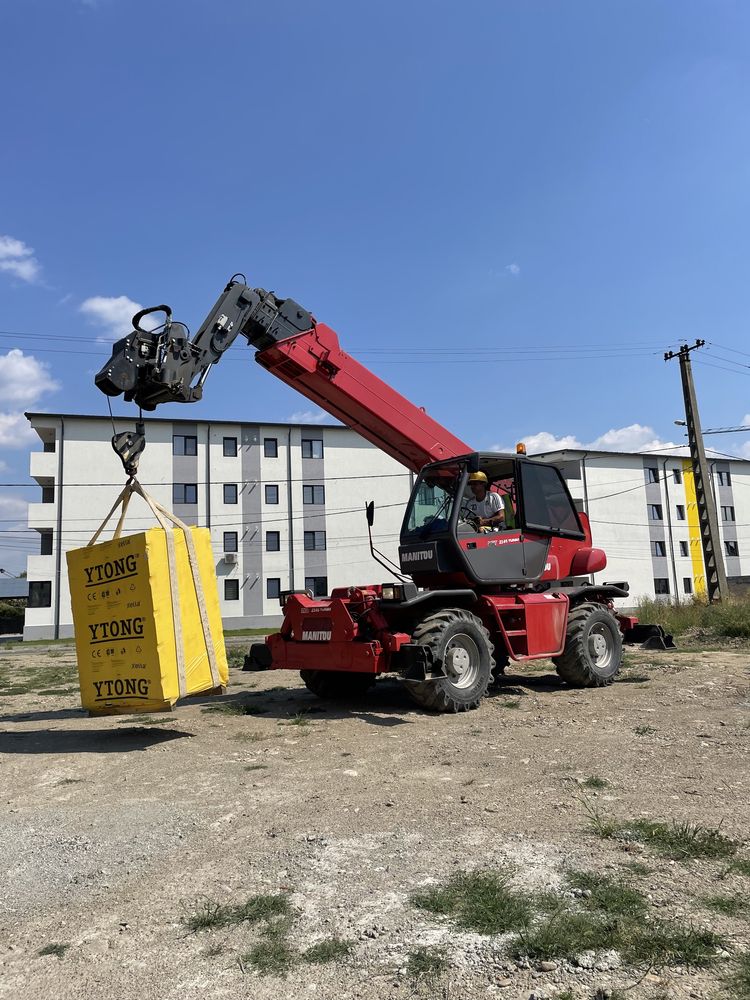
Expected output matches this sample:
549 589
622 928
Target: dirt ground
113 831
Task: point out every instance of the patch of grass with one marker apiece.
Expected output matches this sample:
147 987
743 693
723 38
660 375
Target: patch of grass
740 867
256 767
674 840
300 719
678 840
246 737
54 949
738 981
250 631
637 868
331 949
658 945
510 703
58 691
644 730
426 963
149 720
209 914
730 906
729 619
70 781
225 707
594 782
478 901
608 895
272 956
236 657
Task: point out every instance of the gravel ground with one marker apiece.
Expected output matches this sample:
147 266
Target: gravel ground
114 831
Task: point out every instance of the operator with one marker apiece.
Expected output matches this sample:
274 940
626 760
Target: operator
488 507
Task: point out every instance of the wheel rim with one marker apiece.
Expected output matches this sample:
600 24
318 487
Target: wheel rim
600 646
461 661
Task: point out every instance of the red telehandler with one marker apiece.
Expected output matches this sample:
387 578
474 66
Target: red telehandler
470 597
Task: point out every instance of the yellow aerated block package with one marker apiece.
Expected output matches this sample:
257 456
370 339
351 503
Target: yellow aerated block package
147 618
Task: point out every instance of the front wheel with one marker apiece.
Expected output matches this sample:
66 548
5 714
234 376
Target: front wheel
593 647
461 645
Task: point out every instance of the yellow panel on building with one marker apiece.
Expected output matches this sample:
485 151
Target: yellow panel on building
694 530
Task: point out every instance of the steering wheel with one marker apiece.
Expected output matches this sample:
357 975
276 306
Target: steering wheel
470 517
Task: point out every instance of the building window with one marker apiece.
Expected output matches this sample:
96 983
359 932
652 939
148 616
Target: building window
48 494
677 475
230 447
270 448
727 513
184 444
680 512
658 548
40 594
314 494
45 546
272 493
273 541
661 585
273 587
315 540
731 548
231 590
184 493
230 541
49 445
230 492
317 585
312 448
687 585
652 474
655 512
684 549
725 478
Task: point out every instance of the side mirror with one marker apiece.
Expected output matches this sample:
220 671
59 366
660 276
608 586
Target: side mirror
370 512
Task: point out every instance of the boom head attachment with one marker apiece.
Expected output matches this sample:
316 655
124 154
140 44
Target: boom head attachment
164 365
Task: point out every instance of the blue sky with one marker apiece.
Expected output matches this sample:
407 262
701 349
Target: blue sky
508 210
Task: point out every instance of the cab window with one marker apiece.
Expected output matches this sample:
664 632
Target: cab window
546 502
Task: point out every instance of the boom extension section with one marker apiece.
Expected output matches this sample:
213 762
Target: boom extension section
166 366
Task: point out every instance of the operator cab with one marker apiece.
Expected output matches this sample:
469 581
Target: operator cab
445 541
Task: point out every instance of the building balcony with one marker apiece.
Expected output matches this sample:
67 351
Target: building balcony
42 515
43 467
40 567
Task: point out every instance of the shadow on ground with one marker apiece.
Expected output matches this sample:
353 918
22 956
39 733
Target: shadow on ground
62 741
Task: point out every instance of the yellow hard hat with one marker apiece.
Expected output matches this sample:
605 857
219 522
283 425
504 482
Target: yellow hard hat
478 477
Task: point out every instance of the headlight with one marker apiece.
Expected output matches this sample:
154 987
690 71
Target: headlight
391 592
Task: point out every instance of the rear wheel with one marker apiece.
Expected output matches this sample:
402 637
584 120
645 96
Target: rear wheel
337 684
593 647
461 645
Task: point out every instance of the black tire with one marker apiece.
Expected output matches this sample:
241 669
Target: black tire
593 647
468 672
335 685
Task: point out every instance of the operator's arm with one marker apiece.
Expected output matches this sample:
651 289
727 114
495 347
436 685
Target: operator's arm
496 519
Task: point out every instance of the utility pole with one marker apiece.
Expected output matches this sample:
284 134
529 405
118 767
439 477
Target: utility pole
716 577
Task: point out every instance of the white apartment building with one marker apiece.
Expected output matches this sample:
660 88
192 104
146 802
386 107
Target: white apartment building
284 504
285 507
644 515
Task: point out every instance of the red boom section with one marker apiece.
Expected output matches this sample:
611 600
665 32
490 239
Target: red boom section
314 364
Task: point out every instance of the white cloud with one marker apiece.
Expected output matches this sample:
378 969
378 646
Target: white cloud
513 269
13 508
113 314
23 379
18 259
15 431
309 417
633 438
745 420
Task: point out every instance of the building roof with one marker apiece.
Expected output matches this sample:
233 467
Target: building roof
10 588
574 453
32 416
